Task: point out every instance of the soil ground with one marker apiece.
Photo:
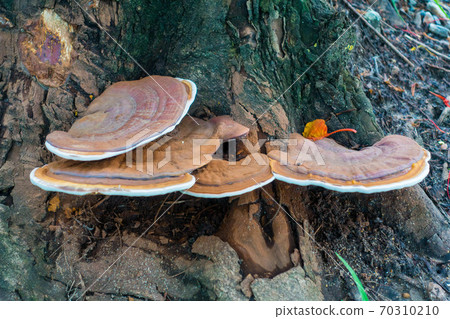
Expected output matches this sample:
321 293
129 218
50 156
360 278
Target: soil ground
400 94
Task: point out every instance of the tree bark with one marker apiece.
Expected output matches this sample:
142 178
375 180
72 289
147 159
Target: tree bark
271 65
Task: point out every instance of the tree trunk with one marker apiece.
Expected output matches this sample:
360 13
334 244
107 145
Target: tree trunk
271 65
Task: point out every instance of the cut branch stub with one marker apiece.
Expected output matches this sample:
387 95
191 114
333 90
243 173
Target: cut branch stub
126 115
46 48
392 163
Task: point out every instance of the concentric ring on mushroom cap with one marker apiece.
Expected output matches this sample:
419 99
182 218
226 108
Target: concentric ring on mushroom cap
126 115
222 179
394 162
44 179
160 171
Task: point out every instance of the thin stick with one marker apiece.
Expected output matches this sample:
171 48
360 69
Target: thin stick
427 47
437 67
160 207
346 111
100 202
378 33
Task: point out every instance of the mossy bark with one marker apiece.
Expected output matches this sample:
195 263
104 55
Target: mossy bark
282 62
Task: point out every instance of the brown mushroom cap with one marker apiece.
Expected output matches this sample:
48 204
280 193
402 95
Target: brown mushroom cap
392 163
126 115
194 142
44 178
143 176
222 179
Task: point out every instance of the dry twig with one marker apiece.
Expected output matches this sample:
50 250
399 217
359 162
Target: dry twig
378 33
428 48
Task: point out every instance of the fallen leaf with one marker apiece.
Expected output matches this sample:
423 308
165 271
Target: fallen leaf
392 86
53 204
71 212
317 130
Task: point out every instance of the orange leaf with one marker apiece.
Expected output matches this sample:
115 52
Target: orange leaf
314 129
317 130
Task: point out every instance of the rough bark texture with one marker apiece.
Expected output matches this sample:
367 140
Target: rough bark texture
243 55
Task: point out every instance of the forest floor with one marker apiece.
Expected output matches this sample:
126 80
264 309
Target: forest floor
401 94
403 104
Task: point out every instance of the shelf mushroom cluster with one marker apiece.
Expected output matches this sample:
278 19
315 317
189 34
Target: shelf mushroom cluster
135 140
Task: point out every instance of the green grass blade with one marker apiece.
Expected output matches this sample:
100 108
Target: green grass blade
396 10
439 5
355 278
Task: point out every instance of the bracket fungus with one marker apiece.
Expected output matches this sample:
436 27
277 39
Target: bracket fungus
221 178
126 115
58 178
160 167
392 163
